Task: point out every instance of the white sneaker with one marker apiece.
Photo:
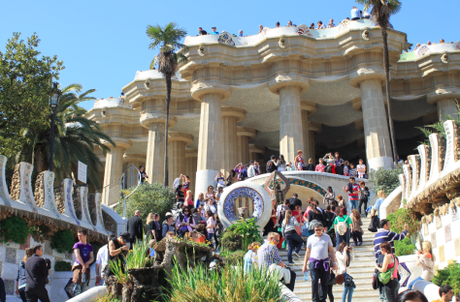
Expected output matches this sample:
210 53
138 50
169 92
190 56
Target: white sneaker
297 255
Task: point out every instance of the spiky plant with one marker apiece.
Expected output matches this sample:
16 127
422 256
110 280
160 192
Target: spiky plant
171 55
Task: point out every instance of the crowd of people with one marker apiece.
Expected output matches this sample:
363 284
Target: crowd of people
355 14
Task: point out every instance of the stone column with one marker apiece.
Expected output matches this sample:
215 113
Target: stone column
155 157
114 170
244 135
176 150
289 87
229 145
445 102
313 127
209 160
377 137
191 156
309 146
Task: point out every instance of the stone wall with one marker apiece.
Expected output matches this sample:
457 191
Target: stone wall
39 192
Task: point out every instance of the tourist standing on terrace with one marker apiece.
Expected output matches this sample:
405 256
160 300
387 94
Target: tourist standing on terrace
319 249
142 173
214 32
261 28
267 255
331 24
251 169
310 166
277 25
135 228
202 32
361 168
320 167
354 13
83 258
36 276
281 164
320 25
298 161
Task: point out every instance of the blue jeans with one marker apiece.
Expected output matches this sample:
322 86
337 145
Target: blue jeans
341 238
294 241
347 290
354 205
414 281
210 237
316 274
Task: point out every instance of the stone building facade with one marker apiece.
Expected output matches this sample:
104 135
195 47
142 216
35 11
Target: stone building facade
283 90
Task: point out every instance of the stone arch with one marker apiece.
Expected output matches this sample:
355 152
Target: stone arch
305 189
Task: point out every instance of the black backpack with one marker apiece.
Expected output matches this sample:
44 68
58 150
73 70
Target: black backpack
270 167
282 214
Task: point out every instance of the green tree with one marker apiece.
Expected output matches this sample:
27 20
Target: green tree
382 10
148 198
386 180
25 86
171 54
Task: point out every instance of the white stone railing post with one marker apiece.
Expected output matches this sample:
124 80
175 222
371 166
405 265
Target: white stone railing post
434 142
425 160
49 199
402 181
408 177
25 181
451 141
414 161
4 194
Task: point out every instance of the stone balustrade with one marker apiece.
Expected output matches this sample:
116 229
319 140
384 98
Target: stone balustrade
63 204
431 178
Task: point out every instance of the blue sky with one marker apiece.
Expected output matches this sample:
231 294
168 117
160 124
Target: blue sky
103 43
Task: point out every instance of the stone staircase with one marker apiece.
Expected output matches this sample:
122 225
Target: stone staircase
361 270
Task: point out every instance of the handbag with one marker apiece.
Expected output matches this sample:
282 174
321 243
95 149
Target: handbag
332 279
385 277
304 230
373 226
375 279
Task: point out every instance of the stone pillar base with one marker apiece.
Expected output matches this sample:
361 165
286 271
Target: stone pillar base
205 178
378 162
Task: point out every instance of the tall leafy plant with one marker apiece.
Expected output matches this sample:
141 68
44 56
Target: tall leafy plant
248 230
449 275
382 10
402 216
172 54
386 180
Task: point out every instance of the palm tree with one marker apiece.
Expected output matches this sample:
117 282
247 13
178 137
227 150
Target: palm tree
171 55
382 10
75 138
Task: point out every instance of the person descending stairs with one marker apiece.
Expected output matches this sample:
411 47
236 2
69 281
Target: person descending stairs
361 270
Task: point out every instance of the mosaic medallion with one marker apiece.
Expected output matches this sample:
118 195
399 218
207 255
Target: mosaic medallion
226 38
10 256
244 196
438 222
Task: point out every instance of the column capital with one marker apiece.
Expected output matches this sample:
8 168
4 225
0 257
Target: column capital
240 114
152 117
191 153
243 131
309 107
366 73
199 89
120 142
443 94
180 137
281 81
315 127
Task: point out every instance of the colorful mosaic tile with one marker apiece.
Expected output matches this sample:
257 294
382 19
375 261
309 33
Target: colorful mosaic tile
236 195
9 287
457 247
25 245
448 232
307 184
438 222
426 231
442 255
10 255
433 240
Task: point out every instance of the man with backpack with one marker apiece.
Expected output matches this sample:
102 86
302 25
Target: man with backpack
294 201
280 211
271 164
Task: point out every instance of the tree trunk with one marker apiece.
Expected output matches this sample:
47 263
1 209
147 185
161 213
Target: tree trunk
168 101
386 66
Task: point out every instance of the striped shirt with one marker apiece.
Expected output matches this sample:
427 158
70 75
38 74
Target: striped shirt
386 236
267 254
354 194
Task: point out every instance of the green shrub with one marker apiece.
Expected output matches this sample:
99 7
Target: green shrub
14 229
234 258
449 275
226 284
230 241
248 231
386 180
404 247
63 241
402 216
62 266
148 198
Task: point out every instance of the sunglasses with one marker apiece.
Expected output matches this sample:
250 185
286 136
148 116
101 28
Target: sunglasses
318 230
